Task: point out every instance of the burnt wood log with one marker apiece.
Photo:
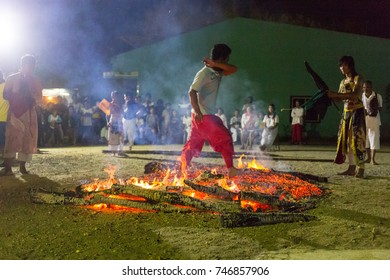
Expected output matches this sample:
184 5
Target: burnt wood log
148 205
303 176
231 220
156 167
212 190
175 198
275 201
309 177
207 175
44 197
160 196
154 200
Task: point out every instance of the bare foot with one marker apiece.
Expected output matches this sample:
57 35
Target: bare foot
360 173
24 171
374 162
232 172
6 172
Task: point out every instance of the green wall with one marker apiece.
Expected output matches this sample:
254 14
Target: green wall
270 58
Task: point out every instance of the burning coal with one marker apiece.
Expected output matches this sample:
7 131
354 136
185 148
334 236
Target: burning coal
260 196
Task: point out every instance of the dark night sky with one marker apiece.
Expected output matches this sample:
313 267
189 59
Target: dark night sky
74 39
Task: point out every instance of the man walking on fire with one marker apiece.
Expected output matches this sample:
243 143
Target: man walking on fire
206 126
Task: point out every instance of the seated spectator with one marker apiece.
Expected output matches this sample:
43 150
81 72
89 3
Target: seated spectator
249 103
235 126
271 122
259 128
220 113
249 122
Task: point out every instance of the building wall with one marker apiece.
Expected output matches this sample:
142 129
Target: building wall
270 58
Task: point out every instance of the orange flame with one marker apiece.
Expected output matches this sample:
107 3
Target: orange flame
183 163
284 185
195 194
128 197
255 205
224 184
141 183
254 165
102 185
111 207
240 163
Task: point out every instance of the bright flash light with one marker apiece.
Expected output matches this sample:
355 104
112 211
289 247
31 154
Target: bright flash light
11 31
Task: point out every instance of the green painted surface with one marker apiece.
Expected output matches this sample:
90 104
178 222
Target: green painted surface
270 58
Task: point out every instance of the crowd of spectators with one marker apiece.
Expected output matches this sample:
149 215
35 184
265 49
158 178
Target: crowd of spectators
81 122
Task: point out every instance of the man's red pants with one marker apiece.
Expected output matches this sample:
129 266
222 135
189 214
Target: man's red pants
212 130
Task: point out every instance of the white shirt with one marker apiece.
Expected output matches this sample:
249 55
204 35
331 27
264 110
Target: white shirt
223 118
206 83
249 121
366 100
297 115
235 122
269 121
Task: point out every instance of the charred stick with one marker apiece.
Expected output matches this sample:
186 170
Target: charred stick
272 200
46 197
160 196
164 207
213 190
230 220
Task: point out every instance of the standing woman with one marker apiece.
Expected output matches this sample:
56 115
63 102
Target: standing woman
352 129
23 92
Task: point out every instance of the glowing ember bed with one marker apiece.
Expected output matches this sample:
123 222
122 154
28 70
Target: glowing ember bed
259 196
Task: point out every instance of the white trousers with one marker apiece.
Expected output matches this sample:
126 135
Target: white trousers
129 129
372 133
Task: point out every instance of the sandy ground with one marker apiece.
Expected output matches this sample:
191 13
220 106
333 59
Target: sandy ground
353 222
